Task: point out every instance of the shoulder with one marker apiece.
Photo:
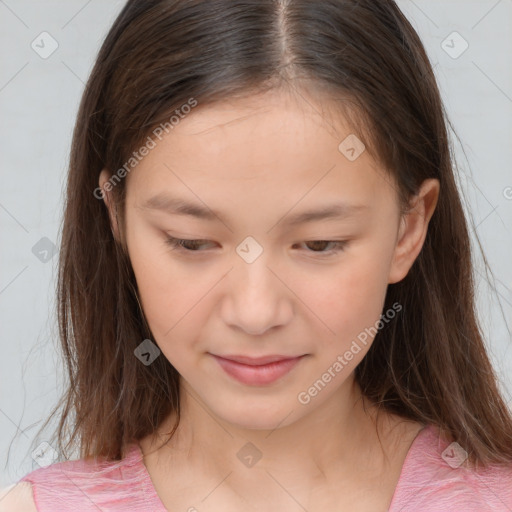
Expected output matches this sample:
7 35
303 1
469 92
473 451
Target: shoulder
17 498
436 476
73 485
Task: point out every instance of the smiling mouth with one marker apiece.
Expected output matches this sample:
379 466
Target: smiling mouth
257 371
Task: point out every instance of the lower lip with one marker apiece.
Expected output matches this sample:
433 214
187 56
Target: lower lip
257 375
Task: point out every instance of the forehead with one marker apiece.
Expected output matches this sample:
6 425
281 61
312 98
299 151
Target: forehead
262 116
277 145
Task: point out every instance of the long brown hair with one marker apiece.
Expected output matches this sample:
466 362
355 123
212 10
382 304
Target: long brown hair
429 365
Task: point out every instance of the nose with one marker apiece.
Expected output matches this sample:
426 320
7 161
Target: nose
256 298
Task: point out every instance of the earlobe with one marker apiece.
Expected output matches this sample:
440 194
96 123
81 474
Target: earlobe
413 230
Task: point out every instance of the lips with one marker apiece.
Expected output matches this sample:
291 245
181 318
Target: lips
257 361
258 371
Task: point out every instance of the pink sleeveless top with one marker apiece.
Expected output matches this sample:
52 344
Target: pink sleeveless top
427 483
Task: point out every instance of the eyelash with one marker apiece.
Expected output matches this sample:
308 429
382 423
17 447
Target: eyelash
177 244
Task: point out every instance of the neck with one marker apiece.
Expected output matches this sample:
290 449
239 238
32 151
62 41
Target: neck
341 440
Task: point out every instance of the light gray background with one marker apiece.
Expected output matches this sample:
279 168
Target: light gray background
38 103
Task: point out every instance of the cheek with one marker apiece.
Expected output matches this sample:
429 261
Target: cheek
165 289
350 302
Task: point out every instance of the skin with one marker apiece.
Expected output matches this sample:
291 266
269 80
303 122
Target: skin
256 162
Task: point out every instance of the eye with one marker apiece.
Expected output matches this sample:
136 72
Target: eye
181 244
339 245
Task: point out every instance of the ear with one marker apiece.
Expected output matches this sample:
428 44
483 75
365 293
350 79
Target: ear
106 188
413 229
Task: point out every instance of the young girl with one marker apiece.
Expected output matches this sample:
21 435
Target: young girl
266 292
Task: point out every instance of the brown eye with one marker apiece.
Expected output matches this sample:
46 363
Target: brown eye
317 246
185 245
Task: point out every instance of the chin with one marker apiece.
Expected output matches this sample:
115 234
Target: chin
263 417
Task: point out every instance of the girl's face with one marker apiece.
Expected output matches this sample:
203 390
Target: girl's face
294 244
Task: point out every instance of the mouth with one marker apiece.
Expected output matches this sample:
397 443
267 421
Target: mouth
257 371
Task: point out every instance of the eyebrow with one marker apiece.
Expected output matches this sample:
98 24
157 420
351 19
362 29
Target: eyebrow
179 206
